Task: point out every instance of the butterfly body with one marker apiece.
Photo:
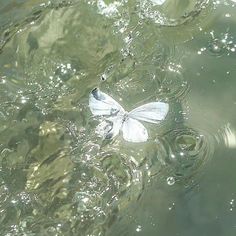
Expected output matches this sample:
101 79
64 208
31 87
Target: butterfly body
116 118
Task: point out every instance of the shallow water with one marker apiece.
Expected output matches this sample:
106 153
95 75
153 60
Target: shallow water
58 177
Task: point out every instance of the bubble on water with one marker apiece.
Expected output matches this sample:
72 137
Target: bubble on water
24 99
201 50
216 47
231 204
170 180
139 228
172 205
174 67
222 44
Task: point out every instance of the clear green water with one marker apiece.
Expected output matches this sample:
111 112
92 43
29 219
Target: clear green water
57 177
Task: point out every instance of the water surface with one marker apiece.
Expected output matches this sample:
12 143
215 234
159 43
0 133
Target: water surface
58 177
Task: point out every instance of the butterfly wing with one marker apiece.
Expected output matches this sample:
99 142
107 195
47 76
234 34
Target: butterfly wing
101 104
134 131
158 2
152 112
109 128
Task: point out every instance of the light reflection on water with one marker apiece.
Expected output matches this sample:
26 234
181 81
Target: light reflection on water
57 177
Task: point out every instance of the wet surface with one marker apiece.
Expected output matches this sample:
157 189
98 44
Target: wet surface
57 177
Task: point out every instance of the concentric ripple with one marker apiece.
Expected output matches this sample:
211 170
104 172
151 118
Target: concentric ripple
57 176
187 150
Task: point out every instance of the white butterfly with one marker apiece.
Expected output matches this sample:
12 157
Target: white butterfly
158 2
116 118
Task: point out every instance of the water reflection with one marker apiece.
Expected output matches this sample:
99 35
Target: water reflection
57 177
224 44
228 135
172 13
108 10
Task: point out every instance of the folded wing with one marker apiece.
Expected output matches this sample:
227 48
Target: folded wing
134 131
101 104
152 112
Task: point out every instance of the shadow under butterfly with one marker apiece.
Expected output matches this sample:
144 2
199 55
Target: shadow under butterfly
116 119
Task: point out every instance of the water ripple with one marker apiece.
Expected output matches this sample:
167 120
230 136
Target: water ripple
57 176
107 181
165 15
9 29
187 150
227 135
223 44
